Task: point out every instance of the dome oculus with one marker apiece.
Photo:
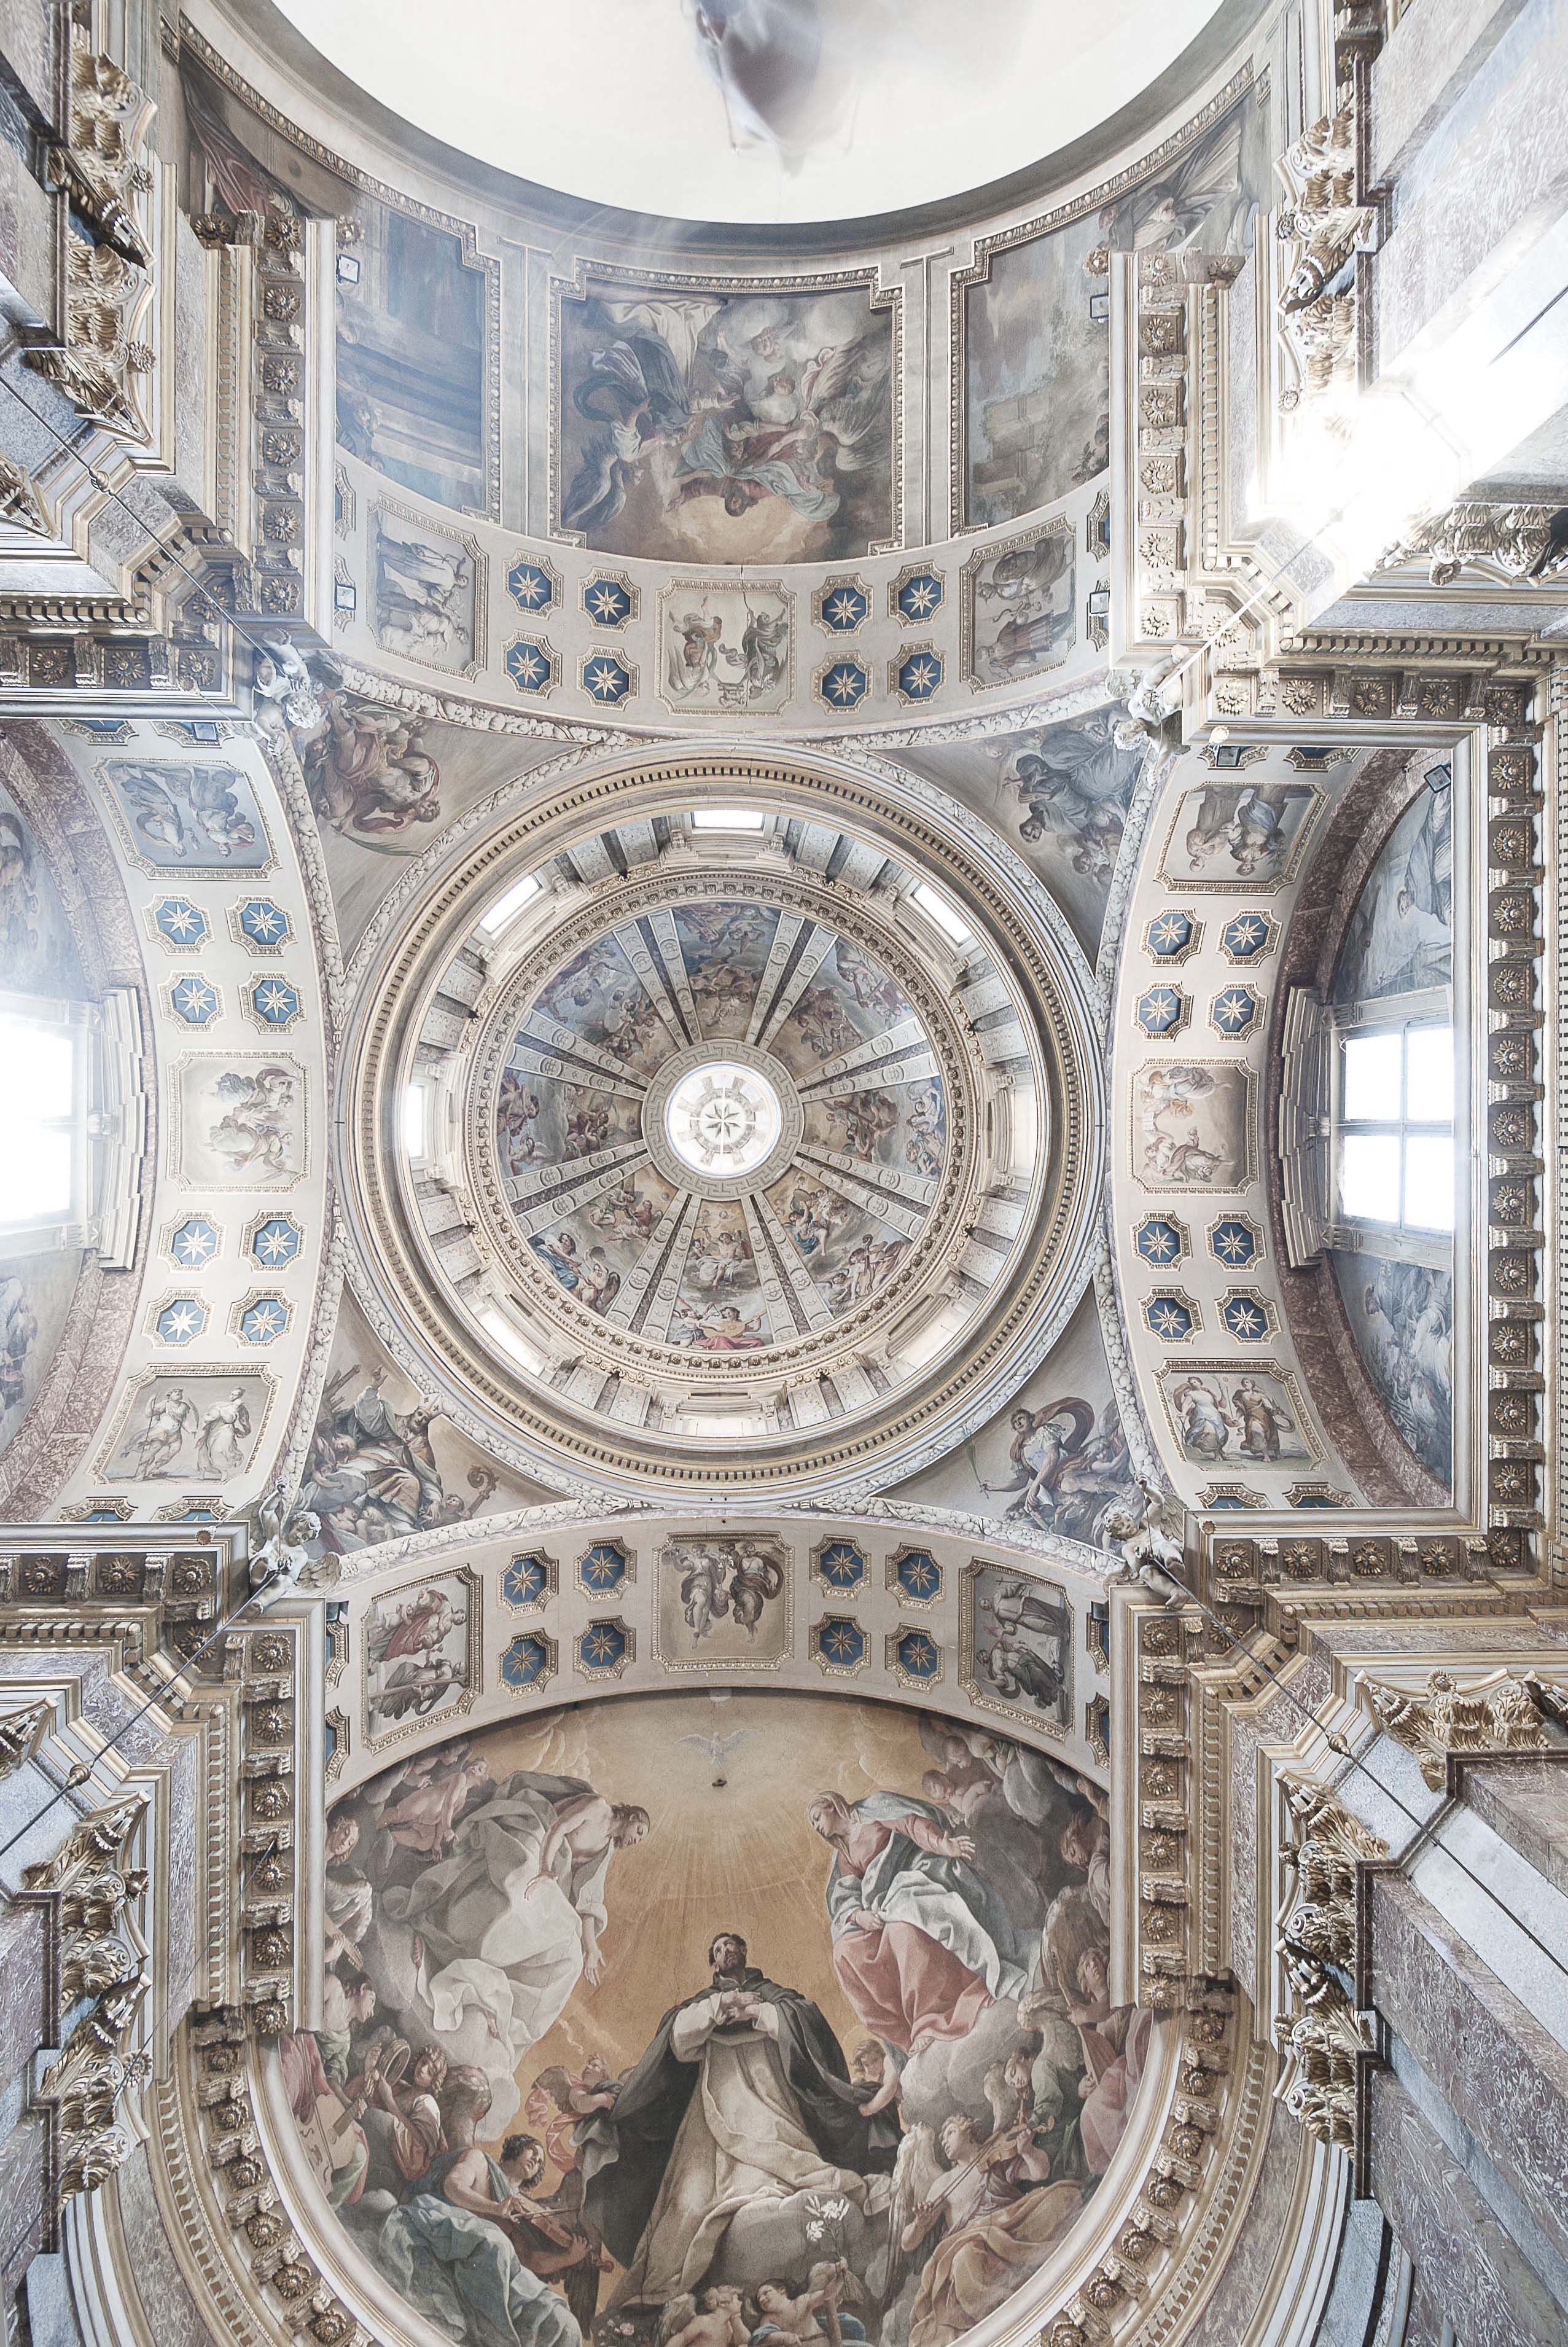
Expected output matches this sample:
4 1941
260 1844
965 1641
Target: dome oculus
723 1119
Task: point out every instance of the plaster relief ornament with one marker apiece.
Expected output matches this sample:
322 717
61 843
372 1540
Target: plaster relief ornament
1500 1713
1518 542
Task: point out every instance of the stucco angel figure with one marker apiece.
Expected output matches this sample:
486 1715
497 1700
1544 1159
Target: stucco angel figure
288 1531
502 1931
1149 1554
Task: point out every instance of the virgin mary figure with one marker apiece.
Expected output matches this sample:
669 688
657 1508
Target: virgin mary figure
503 1929
921 1942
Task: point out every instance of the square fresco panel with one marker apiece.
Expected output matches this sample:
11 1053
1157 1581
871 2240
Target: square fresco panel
1247 836
184 816
698 2020
426 593
422 1648
1229 1415
723 1603
1020 610
196 1426
726 650
238 1123
1191 1125
1017 1634
717 425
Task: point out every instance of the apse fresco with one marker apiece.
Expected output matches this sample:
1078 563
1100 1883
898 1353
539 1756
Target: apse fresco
410 302
720 427
836 1220
1397 961
771 2016
1399 939
1036 333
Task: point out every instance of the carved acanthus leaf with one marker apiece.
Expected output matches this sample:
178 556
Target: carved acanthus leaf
21 1733
1498 1714
1520 541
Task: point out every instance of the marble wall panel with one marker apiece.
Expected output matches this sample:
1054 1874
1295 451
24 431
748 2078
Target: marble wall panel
1468 2265
1490 2059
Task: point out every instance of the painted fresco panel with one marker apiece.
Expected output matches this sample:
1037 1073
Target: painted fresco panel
1401 1316
183 816
1231 1416
1035 328
1193 1125
1017 1634
422 1649
238 1123
723 427
195 1426
1399 939
724 1603
1239 835
843 1941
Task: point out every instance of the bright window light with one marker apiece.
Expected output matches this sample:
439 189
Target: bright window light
935 907
511 1339
1369 1176
1371 1076
727 819
38 1148
1429 1181
1395 1145
416 1111
1430 1075
504 907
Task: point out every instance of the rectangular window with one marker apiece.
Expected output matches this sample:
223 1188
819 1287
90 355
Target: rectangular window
38 1137
1396 1139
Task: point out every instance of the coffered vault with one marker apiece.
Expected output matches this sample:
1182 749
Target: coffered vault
779 1391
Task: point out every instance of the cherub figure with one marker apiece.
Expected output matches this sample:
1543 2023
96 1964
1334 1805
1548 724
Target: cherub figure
716 2317
787 2317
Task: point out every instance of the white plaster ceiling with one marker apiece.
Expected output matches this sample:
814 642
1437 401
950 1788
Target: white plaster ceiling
755 110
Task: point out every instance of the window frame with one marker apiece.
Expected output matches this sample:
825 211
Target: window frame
75 1225
1394 1014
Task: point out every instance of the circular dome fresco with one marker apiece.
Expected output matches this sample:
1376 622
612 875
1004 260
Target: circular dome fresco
749 1144
756 110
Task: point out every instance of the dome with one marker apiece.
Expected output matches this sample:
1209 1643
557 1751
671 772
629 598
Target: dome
789 110
749 1129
